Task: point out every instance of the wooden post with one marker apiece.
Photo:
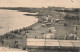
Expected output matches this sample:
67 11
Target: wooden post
2 42
26 40
45 44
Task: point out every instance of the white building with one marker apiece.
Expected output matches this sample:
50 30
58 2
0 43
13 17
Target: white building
48 36
52 30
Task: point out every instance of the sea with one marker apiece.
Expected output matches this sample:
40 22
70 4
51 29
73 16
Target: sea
14 19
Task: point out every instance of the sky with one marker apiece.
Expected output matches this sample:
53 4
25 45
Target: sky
40 3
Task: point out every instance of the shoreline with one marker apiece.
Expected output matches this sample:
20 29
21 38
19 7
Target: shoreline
9 26
37 16
15 35
9 37
36 30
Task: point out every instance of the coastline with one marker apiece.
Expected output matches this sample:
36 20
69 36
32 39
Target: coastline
20 35
37 31
9 38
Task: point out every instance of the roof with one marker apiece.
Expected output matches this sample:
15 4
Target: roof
4 49
53 43
48 34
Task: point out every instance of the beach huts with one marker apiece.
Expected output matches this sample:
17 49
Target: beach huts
71 36
52 30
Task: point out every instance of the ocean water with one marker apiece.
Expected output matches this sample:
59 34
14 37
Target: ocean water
13 19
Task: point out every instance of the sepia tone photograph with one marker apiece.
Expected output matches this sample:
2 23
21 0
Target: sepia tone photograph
40 25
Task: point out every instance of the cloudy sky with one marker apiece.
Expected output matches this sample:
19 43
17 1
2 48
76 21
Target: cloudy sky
40 3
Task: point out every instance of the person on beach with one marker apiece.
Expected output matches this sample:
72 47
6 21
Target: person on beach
2 42
16 45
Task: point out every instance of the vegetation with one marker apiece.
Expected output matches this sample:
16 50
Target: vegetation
37 30
71 17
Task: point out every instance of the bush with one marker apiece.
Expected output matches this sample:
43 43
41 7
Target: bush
24 48
71 17
65 24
